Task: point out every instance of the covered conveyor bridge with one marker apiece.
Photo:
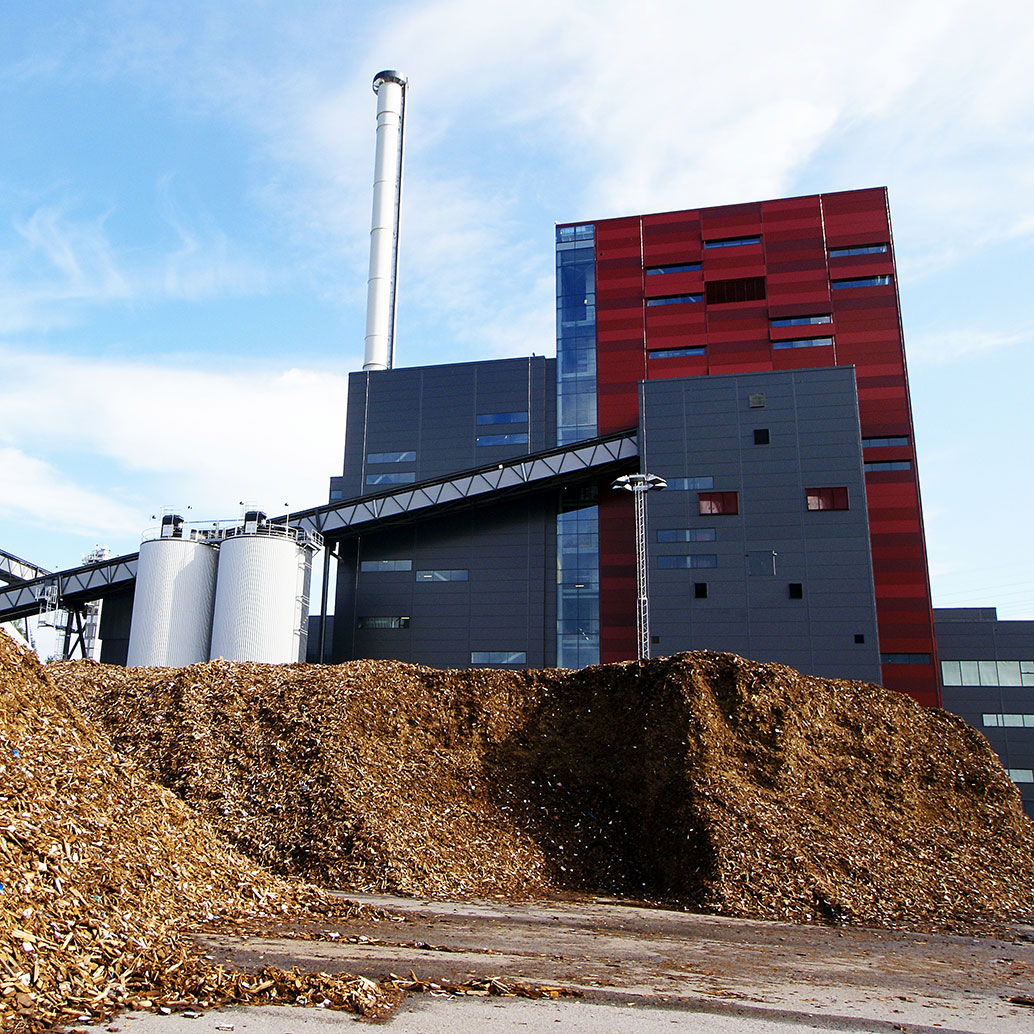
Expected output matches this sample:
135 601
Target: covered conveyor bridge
589 460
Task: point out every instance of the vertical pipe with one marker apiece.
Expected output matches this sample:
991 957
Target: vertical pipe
322 653
390 87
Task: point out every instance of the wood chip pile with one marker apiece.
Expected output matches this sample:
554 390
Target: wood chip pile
100 870
701 779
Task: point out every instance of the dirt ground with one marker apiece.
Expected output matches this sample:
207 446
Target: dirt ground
622 956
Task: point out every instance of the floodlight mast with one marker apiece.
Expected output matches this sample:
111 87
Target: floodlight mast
381 299
639 485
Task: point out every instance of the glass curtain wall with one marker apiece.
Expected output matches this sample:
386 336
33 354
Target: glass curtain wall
578 585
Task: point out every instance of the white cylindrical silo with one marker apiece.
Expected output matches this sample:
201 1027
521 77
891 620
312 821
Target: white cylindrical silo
260 599
172 603
381 306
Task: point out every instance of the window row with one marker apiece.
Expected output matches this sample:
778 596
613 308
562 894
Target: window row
1020 775
502 418
884 443
675 299
401 477
861 281
804 342
434 575
406 456
859 249
498 657
800 321
674 353
519 438
683 562
683 267
833 497
904 658
879 465
987 673
1009 721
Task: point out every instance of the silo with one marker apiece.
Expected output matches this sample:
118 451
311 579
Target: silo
261 600
173 601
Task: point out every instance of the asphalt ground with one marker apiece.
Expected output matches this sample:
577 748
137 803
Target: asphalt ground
639 970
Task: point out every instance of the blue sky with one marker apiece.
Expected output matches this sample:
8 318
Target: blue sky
184 222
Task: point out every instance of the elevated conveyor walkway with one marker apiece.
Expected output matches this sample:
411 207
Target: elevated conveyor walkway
589 460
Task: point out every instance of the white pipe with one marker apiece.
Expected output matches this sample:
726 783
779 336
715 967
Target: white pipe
390 87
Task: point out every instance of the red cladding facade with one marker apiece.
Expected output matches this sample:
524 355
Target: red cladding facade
774 285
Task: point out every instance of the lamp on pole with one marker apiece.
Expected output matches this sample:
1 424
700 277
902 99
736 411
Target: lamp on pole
639 485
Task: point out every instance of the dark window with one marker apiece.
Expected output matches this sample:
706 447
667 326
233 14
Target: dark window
804 342
383 622
732 242
862 281
718 503
391 457
519 438
498 657
747 289
655 639
904 658
687 484
827 498
761 436
502 418
684 267
403 477
336 493
386 565
795 591
858 249
887 465
679 562
800 321
883 443
442 576
686 535
859 637
700 590
674 353
675 299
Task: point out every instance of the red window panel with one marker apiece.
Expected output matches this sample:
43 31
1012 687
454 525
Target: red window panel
718 504
827 498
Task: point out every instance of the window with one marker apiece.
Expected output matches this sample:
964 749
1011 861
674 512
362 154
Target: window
674 353
689 484
684 267
883 443
391 457
519 438
904 658
827 498
879 465
795 590
336 493
700 590
498 657
987 673
800 321
859 249
670 563
675 299
686 535
761 436
724 292
859 638
1015 721
1021 775
383 622
756 401
386 565
442 576
732 242
582 232
502 418
403 477
861 281
804 342
718 503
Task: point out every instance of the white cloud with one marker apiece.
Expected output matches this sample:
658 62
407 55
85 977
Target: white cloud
945 346
34 490
172 433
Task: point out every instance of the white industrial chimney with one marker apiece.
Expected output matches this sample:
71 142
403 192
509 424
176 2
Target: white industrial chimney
390 87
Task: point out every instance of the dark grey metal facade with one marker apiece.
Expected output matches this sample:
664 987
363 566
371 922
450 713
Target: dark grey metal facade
773 581
987 671
452 590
